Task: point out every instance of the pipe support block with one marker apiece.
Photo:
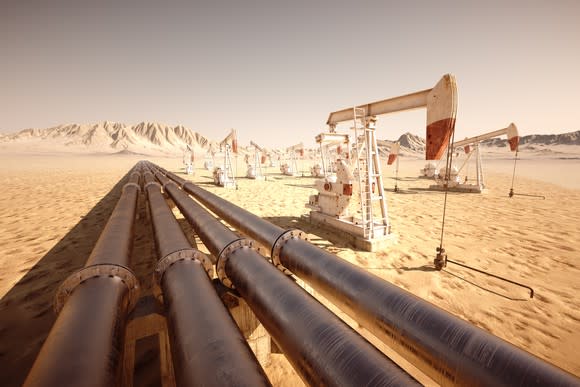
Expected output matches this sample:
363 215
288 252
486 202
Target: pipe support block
224 255
99 270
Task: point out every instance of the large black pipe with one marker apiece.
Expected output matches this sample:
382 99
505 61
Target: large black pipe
85 344
447 348
206 345
322 349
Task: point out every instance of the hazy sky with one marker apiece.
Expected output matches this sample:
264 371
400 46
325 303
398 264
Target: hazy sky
275 69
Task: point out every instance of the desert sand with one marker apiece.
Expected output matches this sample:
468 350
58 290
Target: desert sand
54 205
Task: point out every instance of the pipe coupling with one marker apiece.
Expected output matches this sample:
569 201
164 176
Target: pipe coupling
152 183
181 255
132 185
168 183
224 255
99 270
279 244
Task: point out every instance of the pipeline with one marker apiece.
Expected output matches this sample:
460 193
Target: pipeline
448 349
85 344
206 345
322 349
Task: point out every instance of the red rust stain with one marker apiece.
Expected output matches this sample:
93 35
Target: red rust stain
438 135
301 152
263 159
235 146
514 142
466 148
347 189
339 149
391 159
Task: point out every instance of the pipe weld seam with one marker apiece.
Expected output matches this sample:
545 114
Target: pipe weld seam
224 255
279 244
99 270
181 255
132 185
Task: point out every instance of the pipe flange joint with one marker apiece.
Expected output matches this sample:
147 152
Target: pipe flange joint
168 183
132 185
99 270
181 255
279 244
152 183
224 255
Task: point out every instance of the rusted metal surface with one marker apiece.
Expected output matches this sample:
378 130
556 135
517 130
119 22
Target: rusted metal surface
206 345
322 349
447 348
85 343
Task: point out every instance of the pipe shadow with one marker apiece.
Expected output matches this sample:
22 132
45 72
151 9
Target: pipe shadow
484 288
401 191
26 314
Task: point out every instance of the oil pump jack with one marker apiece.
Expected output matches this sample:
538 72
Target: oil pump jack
290 168
329 142
255 171
369 227
472 149
223 175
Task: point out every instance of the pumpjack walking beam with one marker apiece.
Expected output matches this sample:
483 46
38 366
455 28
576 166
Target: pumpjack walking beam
447 348
322 349
86 341
206 344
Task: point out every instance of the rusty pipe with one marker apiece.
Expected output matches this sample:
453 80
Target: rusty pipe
322 348
206 345
85 344
445 347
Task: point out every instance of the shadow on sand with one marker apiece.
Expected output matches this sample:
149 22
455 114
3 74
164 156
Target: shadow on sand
324 238
26 314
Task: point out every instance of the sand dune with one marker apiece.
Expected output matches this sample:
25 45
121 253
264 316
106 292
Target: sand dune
52 208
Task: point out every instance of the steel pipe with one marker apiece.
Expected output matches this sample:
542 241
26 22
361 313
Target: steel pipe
85 344
323 349
206 345
445 347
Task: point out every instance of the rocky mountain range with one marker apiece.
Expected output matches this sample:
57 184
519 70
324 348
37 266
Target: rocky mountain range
147 137
111 136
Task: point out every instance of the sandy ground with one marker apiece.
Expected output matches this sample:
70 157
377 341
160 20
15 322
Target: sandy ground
53 207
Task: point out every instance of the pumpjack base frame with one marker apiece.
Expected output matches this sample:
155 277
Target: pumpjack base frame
345 230
464 188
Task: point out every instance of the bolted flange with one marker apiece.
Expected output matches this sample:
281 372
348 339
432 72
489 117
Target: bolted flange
224 255
132 185
181 255
100 270
279 244
152 183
